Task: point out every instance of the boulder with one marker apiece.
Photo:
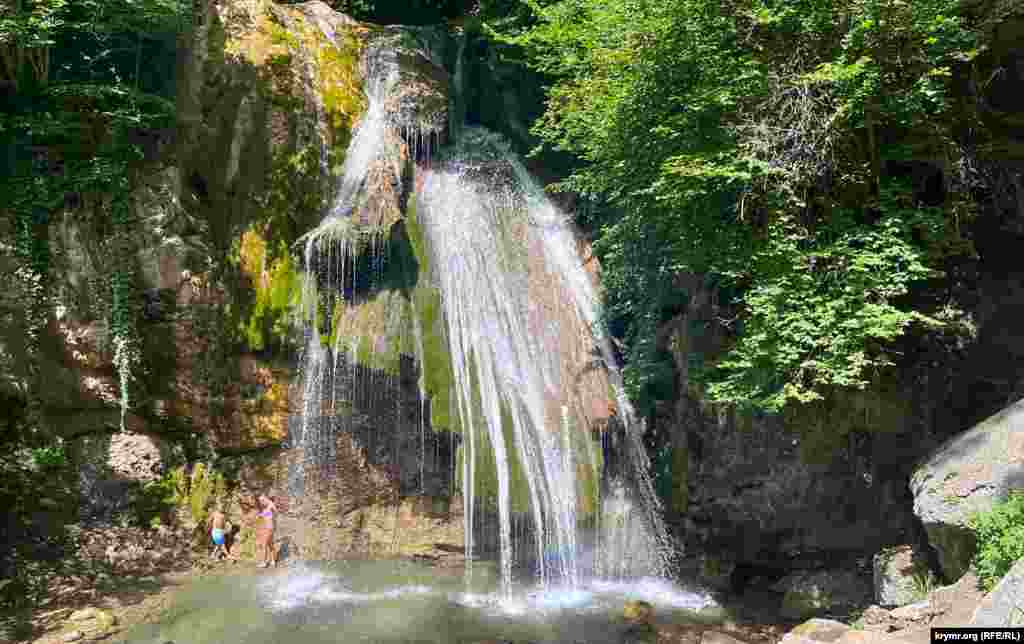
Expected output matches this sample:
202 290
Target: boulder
968 474
710 571
901 576
810 592
816 630
638 612
916 612
1004 606
876 618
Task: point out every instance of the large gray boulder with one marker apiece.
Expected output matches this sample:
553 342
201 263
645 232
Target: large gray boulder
968 474
1004 606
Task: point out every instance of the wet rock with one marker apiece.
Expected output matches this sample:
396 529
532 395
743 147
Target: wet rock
638 612
901 576
710 571
816 631
968 474
810 592
640 634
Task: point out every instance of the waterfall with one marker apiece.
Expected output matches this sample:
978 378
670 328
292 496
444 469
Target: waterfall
535 388
523 324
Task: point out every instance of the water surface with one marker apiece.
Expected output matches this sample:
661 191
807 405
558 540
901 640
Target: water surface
401 601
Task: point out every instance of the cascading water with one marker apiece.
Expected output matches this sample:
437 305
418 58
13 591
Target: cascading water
523 325
535 384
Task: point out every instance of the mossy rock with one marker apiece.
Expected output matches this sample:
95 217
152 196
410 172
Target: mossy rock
798 604
638 612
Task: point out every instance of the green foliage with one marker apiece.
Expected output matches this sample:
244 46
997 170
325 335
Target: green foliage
205 487
924 583
49 457
406 12
156 503
745 142
822 306
278 289
38 492
1000 539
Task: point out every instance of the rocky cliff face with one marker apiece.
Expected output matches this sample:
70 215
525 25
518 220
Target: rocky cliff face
269 97
769 493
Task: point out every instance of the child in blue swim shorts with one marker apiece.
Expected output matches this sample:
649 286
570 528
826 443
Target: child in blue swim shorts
216 523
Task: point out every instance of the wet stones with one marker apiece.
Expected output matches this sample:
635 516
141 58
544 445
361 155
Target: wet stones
811 592
638 612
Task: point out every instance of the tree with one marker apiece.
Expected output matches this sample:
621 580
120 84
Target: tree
746 141
28 31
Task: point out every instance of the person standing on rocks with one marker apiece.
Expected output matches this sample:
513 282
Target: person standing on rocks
265 532
217 524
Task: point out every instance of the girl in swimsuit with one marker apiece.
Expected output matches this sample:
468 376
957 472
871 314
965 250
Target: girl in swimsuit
265 537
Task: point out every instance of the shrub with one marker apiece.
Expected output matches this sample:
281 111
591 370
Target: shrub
155 504
207 485
1000 535
51 457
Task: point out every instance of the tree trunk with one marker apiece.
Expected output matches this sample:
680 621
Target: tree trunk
138 60
9 59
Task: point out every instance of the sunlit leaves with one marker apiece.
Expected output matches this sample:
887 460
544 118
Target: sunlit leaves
742 140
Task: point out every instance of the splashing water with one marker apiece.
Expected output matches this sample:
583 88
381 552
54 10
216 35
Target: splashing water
535 383
523 327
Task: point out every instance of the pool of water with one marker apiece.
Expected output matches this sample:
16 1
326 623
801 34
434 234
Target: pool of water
392 602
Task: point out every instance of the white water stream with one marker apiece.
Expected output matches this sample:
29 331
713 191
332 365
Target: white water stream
530 359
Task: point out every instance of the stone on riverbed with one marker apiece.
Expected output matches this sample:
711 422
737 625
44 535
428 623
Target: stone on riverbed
814 631
638 612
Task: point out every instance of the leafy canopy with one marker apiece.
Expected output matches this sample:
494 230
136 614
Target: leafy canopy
746 141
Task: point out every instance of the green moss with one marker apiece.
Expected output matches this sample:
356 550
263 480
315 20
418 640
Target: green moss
680 476
437 368
439 381
486 476
277 285
588 466
588 477
337 68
